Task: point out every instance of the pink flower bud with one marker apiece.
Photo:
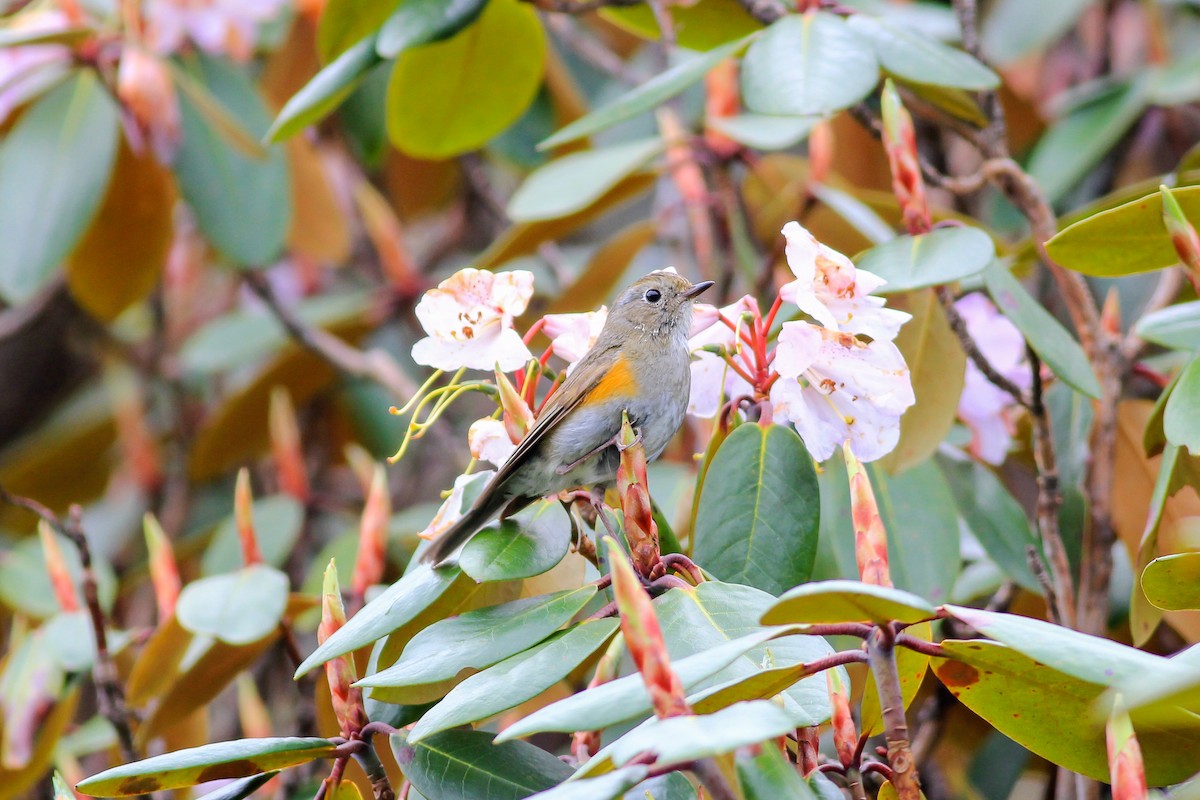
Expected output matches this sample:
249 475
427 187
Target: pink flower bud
60 576
518 418
286 449
145 89
870 537
1183 235
373 534
243 513
340 672
900 142
1126 772
845 735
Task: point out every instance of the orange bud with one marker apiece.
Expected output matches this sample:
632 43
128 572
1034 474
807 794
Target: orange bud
685 172
164 573
585 744
1110 313
900 142
870 537
145 88
845 735
138 446
373 535
644 638
1183 235
1126 772
820 152
243 512
340 672
808 748
387 236
60 576
518 419
286 449
721 101
640 529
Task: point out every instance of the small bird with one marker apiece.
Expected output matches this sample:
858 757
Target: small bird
639 365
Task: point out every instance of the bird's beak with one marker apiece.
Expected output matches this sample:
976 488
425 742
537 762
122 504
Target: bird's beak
697 289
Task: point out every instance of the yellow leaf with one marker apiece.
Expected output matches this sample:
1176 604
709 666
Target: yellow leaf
319 228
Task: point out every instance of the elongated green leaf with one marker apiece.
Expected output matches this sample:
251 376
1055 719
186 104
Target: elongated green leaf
921 58
1177 326
417 22
1044 333
1176 83
242 205
238 608
1144 616
698 26
55 164
516 679
244 787
1074 144
1181 420
522 546
327 89
647 96
610 786
344 23
847 601
451 97
767 775
1123 240
465 765
1006 33
763 131
688 738
1173 582
759 510
211 762
941 256
419 589
480 638
575 181
809 64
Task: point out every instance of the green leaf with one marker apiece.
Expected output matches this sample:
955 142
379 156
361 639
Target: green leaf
764 131
1173 582
759 510
521 546
55 165
1144 616
1181 420
1176 83
1051 713
238 608
277 523
1006 33
25 583
920 58
242 205
808 64
1177 326
698 26
1123 240
1045 334
688 738
1075 143
239 789
480 638
235 759
325 92
345 23
994 516
465 765
647 96
941 256
610 786
767 775
515 680
419 589
418 22
847 601
573 182
448 98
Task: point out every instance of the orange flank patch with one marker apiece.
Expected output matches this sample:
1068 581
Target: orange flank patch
618 383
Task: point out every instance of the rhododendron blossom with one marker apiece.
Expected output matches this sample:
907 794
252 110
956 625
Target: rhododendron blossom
489 441
27 70
572 335
984 407
219 27
712 377
469 319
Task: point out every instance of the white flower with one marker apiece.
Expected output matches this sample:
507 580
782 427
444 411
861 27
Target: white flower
220 27
712 379
834 387
452 508
489 441
27 70
831 290
469 319
984 407
572 335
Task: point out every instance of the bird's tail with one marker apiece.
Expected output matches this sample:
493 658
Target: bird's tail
487 506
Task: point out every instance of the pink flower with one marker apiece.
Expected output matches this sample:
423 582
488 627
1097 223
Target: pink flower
220 27
469 318
712 378
145 88
835 388
831 290
572 335
489 441
985 408
27 70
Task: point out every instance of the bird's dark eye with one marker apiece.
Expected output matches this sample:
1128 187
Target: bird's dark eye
653 295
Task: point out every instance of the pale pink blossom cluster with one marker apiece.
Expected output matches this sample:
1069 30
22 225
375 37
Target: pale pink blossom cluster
28 70
986 409
218 27
469 319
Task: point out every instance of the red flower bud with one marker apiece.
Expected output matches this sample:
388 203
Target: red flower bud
243 513
60 576
845 735
900 142
340 672
164 573
870 537
286 449
1183 236
1126 772
640 529
373 534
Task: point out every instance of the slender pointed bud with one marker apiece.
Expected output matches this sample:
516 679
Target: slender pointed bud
585 744
340 672
243 513
147 92
1125 769
384 230
870 537
845 735
286 449
56 566
361 463
1110 313
900 142
373 535
1183 236
518 419
688 178
808 748
252 711
138 446
721 102
644 638
164 573
640 529
820 152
